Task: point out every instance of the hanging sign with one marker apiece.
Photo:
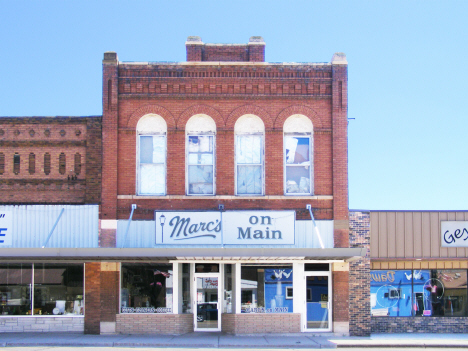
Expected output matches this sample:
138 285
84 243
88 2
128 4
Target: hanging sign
454 233
229 228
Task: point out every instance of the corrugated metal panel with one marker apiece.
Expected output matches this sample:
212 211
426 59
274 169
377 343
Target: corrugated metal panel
77 228
142 234
412 234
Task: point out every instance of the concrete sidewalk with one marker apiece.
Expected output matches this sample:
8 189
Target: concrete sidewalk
219 340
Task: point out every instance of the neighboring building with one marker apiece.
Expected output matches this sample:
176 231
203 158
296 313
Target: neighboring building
50 186
418 269
224 204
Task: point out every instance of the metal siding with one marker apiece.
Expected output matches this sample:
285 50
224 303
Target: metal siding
400 235
77 228
391 234
412 234
141 234
426 234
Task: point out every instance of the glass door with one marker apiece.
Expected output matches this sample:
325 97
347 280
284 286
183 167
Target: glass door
208 313
318 301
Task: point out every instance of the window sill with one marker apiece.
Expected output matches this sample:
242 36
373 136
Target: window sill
224 197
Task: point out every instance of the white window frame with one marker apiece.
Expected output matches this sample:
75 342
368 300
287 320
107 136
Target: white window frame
311 163
187 164
262 162
139 135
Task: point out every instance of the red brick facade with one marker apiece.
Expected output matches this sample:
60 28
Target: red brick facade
208 83
50 160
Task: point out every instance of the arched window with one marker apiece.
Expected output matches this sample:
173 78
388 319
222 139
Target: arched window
298 160
249 137
2 162
200 155
62 163
46 163
32 163
16 163
77 163
151 159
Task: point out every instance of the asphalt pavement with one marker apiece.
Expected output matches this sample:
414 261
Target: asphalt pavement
221 340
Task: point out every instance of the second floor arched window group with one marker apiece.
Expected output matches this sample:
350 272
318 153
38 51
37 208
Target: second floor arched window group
200 155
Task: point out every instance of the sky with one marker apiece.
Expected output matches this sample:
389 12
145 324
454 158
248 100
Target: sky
407 73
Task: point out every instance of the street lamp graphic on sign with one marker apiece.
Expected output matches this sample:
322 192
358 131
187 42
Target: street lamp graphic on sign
162 220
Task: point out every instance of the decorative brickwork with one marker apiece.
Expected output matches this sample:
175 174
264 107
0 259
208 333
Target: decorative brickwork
154 323
259 323
419 325
38 155
359 275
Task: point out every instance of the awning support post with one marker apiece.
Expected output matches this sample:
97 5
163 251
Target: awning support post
309 207
134 206
53 228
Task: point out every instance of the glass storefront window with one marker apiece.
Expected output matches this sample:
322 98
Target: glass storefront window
264 288
228 289
423 293
146 288
58 289
186 295
15 289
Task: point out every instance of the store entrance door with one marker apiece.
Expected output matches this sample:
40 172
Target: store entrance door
318 301
207 312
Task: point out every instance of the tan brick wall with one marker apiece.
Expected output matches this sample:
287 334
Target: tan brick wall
253 323
154 323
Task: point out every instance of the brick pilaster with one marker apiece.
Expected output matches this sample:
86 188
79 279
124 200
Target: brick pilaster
109 135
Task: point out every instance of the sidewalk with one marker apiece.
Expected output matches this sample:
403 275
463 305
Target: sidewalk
219 340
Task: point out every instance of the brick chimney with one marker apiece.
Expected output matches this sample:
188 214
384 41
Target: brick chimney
197 51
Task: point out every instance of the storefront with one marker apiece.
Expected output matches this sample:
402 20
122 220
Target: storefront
41 289
418 276
231 271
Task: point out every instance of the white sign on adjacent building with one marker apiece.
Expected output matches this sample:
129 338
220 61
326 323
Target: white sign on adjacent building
454 233
6 224
230 228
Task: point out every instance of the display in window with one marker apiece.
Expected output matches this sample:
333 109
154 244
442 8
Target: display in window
266 289
58 289
15 289
426 293
146 288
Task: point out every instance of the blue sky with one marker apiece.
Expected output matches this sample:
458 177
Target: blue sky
408 81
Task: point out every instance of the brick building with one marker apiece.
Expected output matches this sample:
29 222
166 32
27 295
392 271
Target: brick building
224 203
50 186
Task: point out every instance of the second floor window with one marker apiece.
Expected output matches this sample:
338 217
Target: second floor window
151 156
298 160
200 155
249 131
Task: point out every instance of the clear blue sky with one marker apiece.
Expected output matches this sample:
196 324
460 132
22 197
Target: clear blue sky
408 77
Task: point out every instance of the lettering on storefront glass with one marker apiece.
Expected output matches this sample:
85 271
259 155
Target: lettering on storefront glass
387 276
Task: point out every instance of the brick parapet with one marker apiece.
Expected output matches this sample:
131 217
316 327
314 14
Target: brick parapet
359 275
59 160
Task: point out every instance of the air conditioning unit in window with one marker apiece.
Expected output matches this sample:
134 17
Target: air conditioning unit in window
394 293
